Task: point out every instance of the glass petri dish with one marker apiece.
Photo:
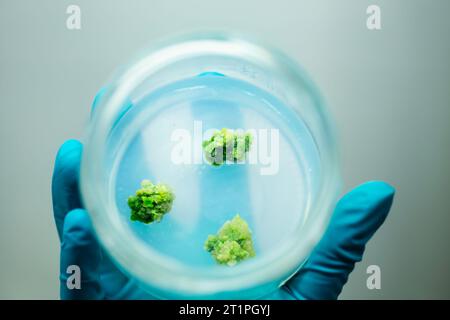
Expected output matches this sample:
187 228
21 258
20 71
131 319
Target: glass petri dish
149 123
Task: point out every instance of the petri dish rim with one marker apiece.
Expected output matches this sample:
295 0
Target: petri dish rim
166 274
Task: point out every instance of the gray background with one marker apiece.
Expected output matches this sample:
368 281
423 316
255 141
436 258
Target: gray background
389 91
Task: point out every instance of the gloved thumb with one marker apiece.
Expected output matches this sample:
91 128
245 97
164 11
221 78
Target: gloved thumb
356 218
80 258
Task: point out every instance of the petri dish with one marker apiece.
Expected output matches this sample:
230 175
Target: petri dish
150 122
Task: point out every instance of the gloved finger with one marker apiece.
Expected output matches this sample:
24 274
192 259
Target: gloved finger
65 191
356 218
80 258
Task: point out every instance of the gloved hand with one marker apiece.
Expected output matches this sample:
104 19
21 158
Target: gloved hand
355 219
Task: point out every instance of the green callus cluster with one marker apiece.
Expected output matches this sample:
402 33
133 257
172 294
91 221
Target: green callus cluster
232 243
151 202
227 145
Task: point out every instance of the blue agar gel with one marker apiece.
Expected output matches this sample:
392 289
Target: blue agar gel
207 196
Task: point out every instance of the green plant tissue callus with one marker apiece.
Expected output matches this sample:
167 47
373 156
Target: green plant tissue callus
232 243
151 202
227 145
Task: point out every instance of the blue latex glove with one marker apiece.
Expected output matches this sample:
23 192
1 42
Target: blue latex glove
355 219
